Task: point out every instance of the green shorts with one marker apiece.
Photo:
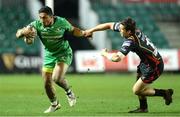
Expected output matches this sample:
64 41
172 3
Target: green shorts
51 60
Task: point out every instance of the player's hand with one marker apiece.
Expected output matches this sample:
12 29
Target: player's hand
88 34
29 32
104 52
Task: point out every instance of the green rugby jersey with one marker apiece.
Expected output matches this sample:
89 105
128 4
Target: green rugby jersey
52 37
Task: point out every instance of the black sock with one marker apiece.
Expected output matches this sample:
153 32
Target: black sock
143 103
53 99
159 92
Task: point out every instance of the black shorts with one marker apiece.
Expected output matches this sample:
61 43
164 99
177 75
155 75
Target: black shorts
148 73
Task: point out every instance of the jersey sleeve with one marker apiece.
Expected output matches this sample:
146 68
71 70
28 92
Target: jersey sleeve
116 26
126 47
67 25
34 24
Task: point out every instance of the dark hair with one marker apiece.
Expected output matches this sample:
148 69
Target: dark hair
129 24
46 10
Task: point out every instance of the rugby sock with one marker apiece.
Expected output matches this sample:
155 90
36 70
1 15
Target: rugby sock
64 85
53 100
160 92
143 103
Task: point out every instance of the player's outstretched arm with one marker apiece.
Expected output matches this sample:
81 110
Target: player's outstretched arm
80 33
114 57
99 27
77 32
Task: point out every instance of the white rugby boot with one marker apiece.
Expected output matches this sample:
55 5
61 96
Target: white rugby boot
71 98
53 108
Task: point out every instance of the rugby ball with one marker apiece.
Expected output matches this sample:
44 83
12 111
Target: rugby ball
28 40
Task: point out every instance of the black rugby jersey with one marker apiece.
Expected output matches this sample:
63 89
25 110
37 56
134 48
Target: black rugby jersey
141 45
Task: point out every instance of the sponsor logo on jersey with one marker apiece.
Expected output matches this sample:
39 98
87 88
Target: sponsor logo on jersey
127 43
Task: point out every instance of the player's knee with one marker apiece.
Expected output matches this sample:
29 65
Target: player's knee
59 80
55 79
136 91
47 79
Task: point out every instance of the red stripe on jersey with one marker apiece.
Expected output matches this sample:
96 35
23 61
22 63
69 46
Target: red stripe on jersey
152 58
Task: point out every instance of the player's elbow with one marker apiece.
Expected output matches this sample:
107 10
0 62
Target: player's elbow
77 32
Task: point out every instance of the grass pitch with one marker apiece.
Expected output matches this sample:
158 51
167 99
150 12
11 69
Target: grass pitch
97 95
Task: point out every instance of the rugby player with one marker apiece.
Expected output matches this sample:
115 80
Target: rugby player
58 53
151 65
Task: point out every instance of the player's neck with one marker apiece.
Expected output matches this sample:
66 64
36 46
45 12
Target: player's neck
52 21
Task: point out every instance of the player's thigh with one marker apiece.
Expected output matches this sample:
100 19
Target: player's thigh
48 66
139 86
48 63
138 74
62 64
60 71
47 76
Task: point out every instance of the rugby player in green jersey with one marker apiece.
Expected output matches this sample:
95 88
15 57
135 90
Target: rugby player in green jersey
150 67
58 53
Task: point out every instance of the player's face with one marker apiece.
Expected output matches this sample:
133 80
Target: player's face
123 31
46 19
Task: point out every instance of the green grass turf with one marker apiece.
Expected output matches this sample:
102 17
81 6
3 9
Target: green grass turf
98 95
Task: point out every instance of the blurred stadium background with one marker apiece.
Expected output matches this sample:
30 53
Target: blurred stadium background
159 19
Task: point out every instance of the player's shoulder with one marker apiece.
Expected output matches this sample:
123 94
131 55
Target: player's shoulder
36 23
60 19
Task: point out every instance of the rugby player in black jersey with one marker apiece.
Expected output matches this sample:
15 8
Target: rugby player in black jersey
151 64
